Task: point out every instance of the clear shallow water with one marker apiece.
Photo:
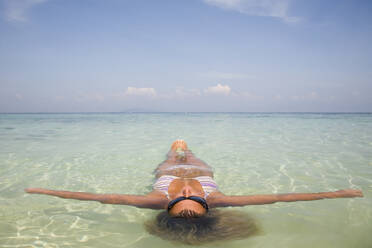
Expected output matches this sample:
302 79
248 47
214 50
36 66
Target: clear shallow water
117 153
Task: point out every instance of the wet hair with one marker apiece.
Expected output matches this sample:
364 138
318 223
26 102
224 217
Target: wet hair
186 213
188 227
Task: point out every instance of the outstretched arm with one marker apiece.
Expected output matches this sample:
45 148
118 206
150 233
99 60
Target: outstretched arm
220 200
145 201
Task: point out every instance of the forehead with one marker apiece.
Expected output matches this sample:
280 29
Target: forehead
187 205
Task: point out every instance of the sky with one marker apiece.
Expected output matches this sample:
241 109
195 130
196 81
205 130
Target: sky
185 56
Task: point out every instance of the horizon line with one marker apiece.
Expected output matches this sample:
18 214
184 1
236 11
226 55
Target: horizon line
197 112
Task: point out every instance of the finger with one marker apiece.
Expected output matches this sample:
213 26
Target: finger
28 190
359 193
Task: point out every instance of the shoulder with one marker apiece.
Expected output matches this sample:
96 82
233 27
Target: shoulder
215 198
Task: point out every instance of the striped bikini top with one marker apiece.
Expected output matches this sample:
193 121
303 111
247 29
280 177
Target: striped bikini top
163 182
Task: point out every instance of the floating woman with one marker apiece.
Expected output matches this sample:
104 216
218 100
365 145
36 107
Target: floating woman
186 190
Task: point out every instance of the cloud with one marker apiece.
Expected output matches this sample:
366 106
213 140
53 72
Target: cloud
218 89
179 93
133 91
271 8
16 10
59 98
19 96
312 95
278 97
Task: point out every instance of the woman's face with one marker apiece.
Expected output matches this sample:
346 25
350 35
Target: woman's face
185 206
190 205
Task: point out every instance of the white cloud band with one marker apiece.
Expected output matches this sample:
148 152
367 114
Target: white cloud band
218 89
272 8
16 10
133 91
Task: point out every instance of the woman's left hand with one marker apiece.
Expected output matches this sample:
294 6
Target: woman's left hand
350 193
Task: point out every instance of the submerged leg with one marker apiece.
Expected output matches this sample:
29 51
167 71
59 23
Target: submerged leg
180 154
187 157
173 157
193 160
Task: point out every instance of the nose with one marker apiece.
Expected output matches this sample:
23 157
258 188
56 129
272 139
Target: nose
186 191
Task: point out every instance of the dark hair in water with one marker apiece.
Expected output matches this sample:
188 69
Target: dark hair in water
189 228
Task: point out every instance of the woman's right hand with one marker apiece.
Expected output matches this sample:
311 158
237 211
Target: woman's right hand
36 191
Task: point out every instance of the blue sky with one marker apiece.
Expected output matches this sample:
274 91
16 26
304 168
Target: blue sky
185 55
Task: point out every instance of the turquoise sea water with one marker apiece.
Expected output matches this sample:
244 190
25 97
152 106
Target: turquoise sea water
250 154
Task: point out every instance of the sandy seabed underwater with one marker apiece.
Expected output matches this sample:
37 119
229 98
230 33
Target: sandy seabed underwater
251 153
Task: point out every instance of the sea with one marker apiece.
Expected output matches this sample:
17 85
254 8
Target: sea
251 153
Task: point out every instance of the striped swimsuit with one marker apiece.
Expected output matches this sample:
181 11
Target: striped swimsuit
207 183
